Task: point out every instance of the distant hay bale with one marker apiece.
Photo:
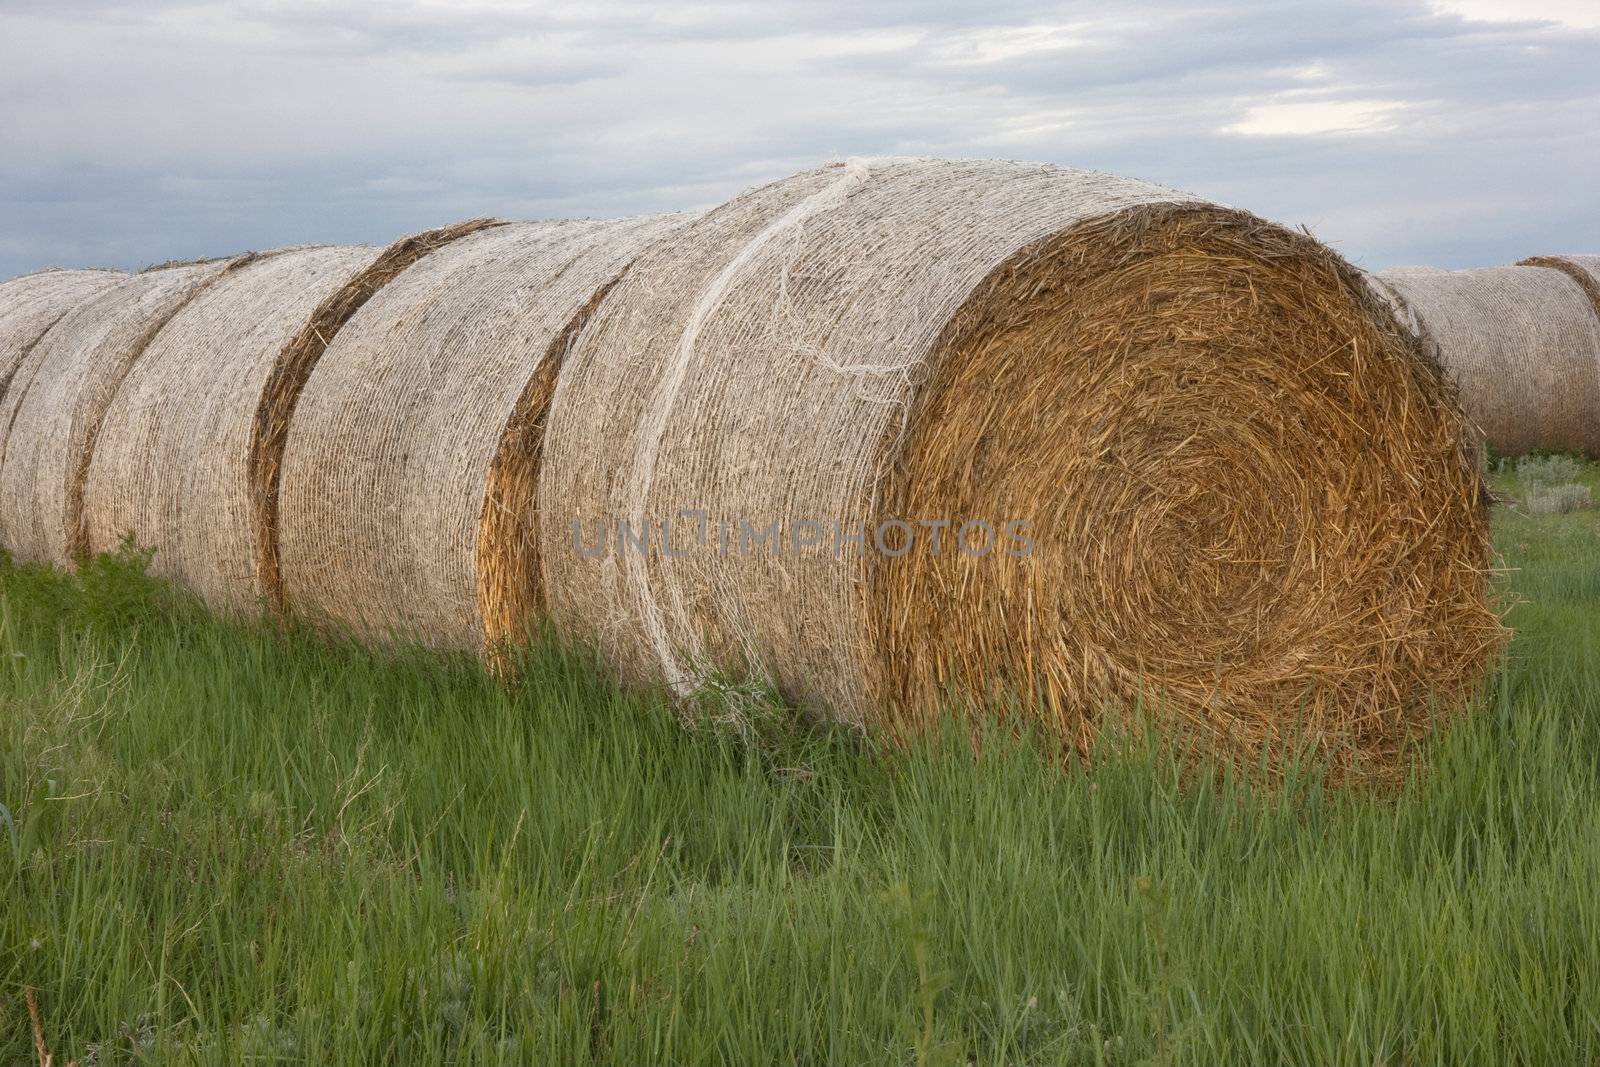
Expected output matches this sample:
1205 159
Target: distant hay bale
182 448
59 396
1585 270
32 303
171 464
406 495
29 306
299 358
1421 269
1522 343
1249 492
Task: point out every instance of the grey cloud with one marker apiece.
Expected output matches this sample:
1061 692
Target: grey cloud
171 129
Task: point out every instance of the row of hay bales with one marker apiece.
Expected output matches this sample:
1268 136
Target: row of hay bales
1249 493
1522 342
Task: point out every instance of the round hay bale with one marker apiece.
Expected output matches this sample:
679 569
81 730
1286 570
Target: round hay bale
58 397
29 306
1248 493
407 486
1585 270
172 462
32 303
1523 345
281 394
178 456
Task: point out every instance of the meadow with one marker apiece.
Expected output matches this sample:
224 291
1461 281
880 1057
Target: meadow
230 842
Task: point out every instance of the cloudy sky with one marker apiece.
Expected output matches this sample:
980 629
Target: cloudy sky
1452 132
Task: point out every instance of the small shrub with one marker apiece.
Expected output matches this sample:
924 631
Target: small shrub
1550 484
1542 472
1558 499
116 590
110 593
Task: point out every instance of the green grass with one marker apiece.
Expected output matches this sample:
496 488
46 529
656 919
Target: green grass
225 843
